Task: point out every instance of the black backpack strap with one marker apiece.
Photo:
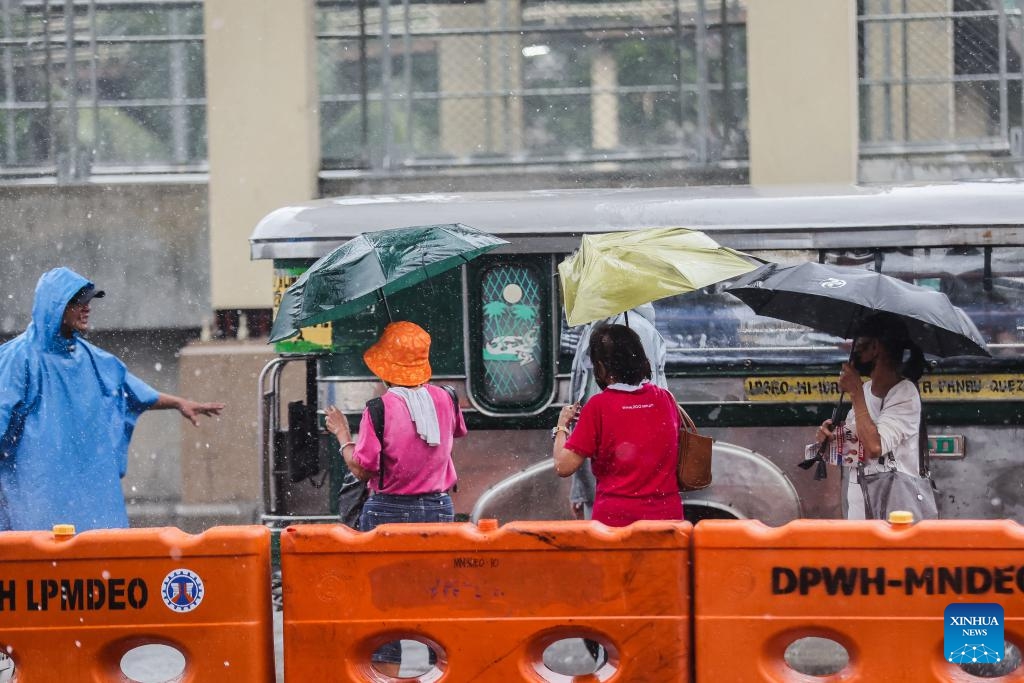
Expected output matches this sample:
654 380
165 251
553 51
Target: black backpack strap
375 406
450 390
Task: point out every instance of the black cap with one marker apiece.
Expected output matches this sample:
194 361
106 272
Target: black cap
86 294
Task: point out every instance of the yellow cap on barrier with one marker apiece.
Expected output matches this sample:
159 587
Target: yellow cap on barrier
63 531
487 524
901 517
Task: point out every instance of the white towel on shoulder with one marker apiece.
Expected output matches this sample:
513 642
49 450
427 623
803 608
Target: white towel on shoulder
424 414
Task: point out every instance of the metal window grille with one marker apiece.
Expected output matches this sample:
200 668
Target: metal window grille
407 83
940 76
93 86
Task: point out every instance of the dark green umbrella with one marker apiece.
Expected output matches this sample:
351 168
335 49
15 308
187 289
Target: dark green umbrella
369 267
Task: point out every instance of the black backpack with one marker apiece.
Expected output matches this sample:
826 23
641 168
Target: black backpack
352 493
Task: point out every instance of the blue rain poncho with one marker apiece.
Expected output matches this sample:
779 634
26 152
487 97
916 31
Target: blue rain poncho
67 411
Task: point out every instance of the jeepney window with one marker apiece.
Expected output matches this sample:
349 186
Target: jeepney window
510 316
713 327
986 282
1002 323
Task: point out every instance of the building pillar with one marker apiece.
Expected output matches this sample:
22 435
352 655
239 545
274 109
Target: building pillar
604 100
802 75
264 132
491 123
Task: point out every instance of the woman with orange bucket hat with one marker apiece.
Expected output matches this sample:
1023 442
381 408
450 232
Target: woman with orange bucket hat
420 424
411 472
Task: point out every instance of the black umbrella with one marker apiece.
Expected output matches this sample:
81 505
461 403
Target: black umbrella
837 299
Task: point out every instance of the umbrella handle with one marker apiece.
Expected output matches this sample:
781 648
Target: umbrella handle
821 471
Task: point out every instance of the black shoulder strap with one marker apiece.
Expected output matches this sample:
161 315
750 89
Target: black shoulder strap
450 390
923 456
375 406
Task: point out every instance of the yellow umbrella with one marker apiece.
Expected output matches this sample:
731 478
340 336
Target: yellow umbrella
617 271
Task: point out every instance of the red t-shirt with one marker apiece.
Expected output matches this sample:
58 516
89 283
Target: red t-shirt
632 441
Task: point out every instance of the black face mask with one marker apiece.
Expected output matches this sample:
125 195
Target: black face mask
865 368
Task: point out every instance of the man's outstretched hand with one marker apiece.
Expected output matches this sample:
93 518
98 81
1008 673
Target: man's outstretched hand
191 410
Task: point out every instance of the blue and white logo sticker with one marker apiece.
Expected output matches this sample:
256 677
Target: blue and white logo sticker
974 632
182 590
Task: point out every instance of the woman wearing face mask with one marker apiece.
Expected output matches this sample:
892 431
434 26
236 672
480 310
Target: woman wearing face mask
629 432
885 417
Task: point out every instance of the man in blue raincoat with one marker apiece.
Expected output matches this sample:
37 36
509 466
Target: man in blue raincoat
67 411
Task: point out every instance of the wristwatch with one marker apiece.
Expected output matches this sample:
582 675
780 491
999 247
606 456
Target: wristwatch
558 428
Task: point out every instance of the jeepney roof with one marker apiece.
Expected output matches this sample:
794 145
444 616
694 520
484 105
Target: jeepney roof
741 216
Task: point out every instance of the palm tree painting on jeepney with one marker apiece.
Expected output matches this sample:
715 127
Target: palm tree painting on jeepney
512 327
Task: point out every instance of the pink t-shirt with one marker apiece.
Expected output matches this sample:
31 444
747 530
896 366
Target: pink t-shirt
411 467
631 439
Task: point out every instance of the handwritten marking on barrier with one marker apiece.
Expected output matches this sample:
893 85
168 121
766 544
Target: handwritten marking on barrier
912 580
462 581
475 563
973 387
73 595
455 588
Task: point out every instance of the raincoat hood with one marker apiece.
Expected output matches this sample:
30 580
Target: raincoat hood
646 311
53 292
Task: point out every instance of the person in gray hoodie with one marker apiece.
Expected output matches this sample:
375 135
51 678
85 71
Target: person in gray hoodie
582 386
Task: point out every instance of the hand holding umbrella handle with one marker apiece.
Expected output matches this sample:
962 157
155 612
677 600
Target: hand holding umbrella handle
821 471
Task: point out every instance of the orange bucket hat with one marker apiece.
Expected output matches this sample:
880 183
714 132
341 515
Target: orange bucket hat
401 356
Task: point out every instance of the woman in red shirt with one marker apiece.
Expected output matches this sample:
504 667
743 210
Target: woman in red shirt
629 431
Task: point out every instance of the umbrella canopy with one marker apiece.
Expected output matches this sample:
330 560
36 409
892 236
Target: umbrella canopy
369 267
617 271
835 299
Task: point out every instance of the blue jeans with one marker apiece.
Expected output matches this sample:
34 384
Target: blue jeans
386 508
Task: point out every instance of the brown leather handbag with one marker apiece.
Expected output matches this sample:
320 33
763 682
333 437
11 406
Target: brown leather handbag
694 470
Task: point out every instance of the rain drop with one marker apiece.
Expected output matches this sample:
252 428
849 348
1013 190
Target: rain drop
78 643
105 574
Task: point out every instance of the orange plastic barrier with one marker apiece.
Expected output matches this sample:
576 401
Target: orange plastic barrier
487 602
71 608
878 590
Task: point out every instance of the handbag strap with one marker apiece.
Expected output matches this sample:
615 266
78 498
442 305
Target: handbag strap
685 422
923 457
